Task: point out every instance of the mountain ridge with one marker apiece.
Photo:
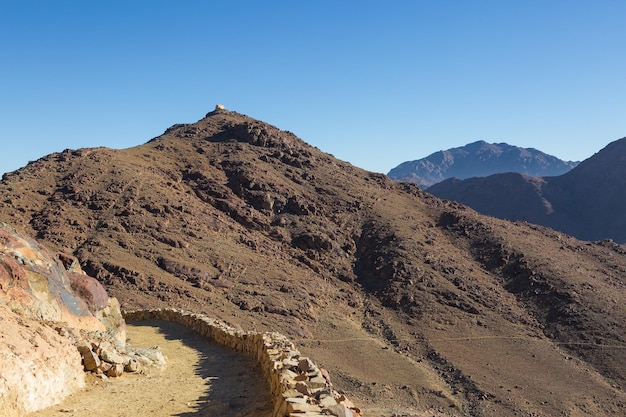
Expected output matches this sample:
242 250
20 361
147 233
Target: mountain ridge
479 159
409 301
584 202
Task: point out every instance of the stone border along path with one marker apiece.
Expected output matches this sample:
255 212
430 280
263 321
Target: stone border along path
298 388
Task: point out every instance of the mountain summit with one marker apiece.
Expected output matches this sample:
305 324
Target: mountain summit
411 303
479 159
586 202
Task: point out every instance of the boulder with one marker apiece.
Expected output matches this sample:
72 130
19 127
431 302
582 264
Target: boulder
103 368
70 263
36 284
91 361
113 321
90 290
306 364
339 410
116 370
111 354
132 366
302 388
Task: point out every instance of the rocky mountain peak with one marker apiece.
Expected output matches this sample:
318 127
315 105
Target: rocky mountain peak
478 159
608 162
221 125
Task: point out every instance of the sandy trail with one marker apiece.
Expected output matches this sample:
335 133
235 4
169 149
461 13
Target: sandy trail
201 379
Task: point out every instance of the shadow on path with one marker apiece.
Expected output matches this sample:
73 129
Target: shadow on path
234 383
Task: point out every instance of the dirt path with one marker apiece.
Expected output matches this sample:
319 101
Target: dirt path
201 379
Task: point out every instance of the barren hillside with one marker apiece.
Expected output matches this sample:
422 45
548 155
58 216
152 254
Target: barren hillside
586 202
409 301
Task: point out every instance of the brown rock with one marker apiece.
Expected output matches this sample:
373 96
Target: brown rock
116 370
326 376
301 377
103 368
302 408
90 290
305 364
91 361
302 388
70 263
339 410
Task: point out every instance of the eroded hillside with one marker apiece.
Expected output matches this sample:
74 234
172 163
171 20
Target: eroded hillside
409 301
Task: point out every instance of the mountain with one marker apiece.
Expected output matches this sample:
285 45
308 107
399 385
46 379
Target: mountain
412 303
479 159
586 202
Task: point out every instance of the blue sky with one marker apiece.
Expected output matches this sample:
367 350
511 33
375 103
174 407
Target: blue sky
374 83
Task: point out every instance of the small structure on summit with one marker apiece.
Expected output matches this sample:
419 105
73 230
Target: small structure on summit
219 109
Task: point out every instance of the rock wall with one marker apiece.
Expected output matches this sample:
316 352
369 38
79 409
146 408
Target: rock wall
298 387
48 305
38 367
43 285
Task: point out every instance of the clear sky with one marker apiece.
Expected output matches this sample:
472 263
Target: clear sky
374 83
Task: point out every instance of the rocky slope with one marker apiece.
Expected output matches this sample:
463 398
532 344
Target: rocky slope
50 310
409 301
479 159
38 366
586 202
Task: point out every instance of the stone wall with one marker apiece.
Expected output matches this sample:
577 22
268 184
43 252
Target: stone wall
297 386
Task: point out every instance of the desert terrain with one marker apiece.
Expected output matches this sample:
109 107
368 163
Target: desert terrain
412 303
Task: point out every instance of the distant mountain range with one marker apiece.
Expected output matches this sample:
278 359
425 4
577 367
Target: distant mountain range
587 202
479 159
